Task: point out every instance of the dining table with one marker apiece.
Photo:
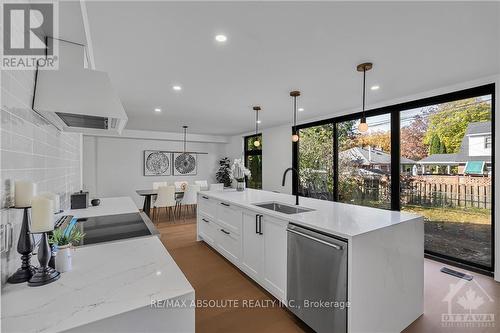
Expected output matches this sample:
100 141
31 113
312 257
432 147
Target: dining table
148 193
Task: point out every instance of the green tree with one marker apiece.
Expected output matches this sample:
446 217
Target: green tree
442 147
316 157
435 146
450 120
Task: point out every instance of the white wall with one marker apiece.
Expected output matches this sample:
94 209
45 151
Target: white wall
276 157
113 166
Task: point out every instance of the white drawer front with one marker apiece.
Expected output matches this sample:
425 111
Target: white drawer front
229 217
229 245
207 206
207 229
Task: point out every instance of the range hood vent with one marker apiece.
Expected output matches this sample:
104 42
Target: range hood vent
77 99
79 120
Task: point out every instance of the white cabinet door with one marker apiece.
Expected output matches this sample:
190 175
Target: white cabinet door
252 257
275 251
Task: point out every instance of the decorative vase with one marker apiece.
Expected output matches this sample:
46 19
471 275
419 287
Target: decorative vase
64 259
240 185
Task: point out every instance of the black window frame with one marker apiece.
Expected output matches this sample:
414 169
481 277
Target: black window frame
252 152
394 110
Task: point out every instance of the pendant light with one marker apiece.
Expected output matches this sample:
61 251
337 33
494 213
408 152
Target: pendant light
363 126
295 135
185 134
256 143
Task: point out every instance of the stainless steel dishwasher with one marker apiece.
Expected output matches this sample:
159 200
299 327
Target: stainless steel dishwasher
317 279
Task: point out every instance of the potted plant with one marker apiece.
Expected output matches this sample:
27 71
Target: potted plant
238 172
223 175
62 241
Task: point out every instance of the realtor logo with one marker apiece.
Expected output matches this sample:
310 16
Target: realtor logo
465 300
28 28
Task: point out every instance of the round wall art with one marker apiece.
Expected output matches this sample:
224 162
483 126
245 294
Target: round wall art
185 164
157 163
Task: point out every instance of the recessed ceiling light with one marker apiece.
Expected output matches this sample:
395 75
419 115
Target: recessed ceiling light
375 87
259 121
221 38
300 109
157 110
177 88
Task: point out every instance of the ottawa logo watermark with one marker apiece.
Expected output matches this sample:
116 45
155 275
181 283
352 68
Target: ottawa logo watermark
465 301
30 33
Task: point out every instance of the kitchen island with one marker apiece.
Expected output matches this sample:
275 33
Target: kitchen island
385 251
130 285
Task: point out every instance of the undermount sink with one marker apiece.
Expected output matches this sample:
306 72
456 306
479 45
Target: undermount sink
283 208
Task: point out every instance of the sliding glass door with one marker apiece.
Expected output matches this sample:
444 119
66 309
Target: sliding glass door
433 157
450 181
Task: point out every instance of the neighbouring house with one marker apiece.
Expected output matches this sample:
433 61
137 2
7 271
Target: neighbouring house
373 160
473 158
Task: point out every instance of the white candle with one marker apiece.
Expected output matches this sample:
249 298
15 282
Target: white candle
24 192
42 214
55 199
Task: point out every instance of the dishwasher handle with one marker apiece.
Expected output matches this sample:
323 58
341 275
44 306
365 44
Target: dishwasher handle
335 246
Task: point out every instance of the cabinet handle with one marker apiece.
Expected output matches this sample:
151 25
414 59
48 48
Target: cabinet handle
204 197
260 224
205 220
224 204
257 223
224 231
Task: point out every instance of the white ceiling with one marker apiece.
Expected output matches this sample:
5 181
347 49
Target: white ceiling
273 48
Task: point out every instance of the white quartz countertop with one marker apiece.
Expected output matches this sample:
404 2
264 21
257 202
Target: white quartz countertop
106 280
336 218
108 206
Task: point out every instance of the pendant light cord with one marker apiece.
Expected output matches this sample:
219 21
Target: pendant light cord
185 130
364 89
256 122
294 112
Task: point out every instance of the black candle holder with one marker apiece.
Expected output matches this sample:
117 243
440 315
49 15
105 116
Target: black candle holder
44 274
25 246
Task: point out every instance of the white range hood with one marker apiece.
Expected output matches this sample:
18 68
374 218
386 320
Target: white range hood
77 99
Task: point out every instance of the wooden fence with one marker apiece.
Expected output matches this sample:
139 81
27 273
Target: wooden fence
446 191
426 190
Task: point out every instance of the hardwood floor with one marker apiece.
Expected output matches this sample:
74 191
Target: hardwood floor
215 279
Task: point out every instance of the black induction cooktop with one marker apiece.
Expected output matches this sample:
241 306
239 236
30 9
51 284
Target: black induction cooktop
109 228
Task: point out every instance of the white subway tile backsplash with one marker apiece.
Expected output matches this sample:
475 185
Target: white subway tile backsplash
31 149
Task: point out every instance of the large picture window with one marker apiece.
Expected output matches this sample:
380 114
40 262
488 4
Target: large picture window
316 162
253 160
433 157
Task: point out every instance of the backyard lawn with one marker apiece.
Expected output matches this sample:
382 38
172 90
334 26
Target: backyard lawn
452 215
456 232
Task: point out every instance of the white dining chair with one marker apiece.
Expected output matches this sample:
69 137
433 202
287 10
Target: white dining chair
190 198
156 185
165 199
217 187
203 184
